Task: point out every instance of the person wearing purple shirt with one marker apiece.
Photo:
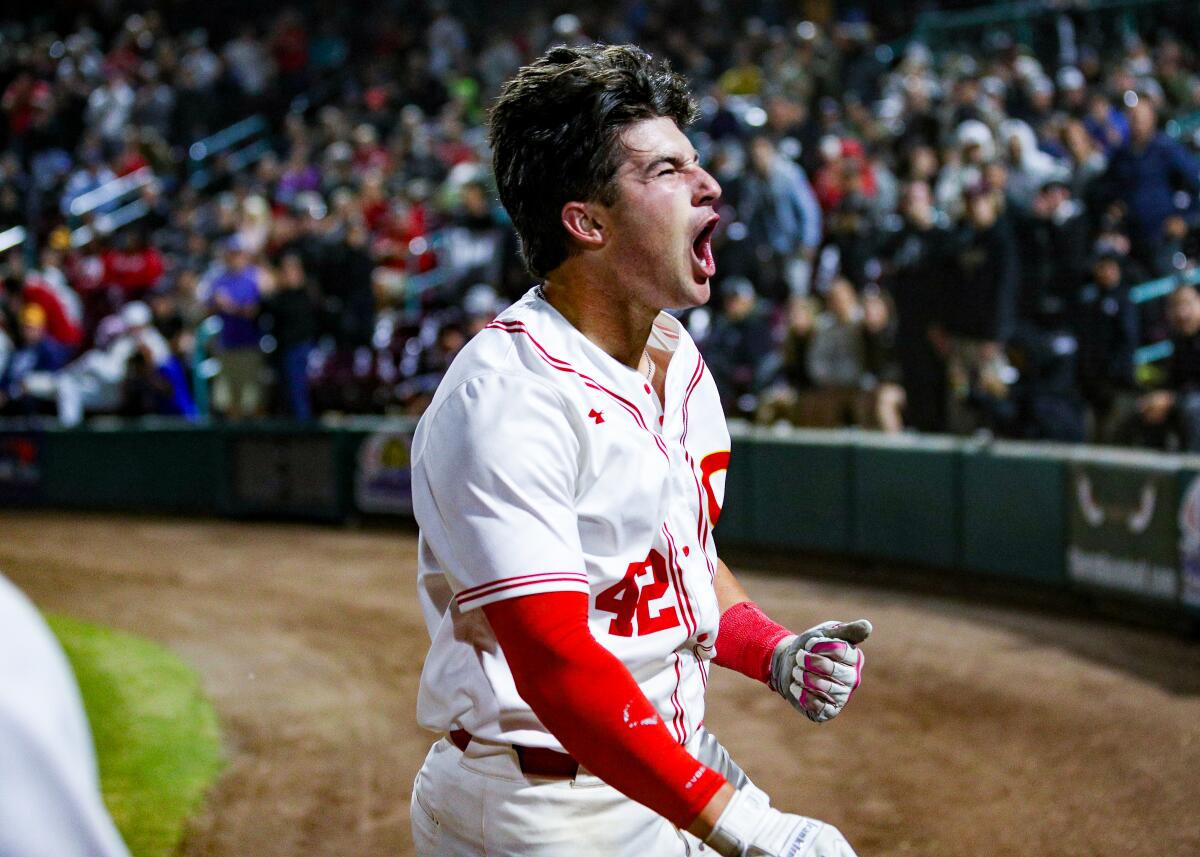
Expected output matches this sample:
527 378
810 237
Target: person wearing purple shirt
234 295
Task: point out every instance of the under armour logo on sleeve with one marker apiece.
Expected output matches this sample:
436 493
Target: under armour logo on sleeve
598 416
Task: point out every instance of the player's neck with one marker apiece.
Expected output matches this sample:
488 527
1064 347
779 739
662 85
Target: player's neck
606 316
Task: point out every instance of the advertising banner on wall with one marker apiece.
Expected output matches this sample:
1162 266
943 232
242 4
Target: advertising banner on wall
1122 530
383 477
20 467
1189 543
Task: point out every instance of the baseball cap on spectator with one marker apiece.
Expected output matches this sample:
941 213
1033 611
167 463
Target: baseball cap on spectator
972 132
480 300
737 287
34 316
135 314
1027 67
1070 78
1105 253
1041 85
1057 180
60 238
311 204
339 152
993 86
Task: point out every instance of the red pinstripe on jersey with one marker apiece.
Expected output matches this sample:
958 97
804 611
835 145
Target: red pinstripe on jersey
701 522
474 593
515 327
678 722
675 573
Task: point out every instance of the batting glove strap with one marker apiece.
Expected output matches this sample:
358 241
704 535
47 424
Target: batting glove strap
750 827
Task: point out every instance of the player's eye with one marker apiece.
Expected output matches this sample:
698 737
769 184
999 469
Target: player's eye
664 171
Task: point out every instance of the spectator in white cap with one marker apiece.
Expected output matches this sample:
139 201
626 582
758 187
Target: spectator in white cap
94 381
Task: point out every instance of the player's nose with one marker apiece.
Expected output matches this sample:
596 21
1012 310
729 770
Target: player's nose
707 190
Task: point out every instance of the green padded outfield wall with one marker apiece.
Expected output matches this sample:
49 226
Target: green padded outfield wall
1189 535
736 524
1075 517
176 469
1013 514
906 499
1122 523
802 490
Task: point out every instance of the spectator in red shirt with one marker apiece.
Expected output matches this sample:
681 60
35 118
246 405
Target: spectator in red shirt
33 290
132 265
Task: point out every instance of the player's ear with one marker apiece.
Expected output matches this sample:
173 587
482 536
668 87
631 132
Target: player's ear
582 224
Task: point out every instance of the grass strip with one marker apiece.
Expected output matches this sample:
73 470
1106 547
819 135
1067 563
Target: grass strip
156 734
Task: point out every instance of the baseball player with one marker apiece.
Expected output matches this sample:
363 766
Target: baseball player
567 477
50 803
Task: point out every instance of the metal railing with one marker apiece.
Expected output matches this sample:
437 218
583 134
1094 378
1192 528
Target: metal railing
243 143
11 238
110 192
1153 290
204 367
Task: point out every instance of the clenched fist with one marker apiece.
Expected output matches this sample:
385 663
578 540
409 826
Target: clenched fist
818 670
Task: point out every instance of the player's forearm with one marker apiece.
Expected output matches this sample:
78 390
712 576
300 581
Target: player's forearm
729 591
588 700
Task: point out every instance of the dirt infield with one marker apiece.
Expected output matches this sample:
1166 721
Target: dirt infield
979 731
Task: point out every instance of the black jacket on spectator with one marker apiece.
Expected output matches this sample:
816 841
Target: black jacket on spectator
916 281
980 298
1054 257
734 351
1183 367
290 315
1106 326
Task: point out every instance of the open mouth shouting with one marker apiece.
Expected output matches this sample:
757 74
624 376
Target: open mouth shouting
703 266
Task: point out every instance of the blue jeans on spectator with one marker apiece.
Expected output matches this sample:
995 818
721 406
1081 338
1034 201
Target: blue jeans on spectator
295 380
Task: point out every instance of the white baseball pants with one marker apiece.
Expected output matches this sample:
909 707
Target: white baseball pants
478 802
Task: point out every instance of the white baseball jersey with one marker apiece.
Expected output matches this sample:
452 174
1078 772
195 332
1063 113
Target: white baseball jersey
50 802
544 465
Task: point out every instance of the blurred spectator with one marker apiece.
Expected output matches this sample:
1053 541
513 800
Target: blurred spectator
1053 237
60 305
738 345
235 293
978 310
1176 407
92 175
1087 160
96 381
1107 328
479 246
290 315
777 205
917 252
132 265
1107 125
1145 174
373 171
888 400
38 352
837 362
781 399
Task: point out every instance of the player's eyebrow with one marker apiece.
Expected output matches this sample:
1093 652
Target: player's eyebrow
676 161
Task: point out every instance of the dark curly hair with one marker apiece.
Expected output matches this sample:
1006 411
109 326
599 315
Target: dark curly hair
555 132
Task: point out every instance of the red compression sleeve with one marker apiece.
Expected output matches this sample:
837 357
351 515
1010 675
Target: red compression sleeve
588 700
746 640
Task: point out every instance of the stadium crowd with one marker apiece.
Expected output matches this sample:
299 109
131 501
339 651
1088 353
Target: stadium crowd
910 239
